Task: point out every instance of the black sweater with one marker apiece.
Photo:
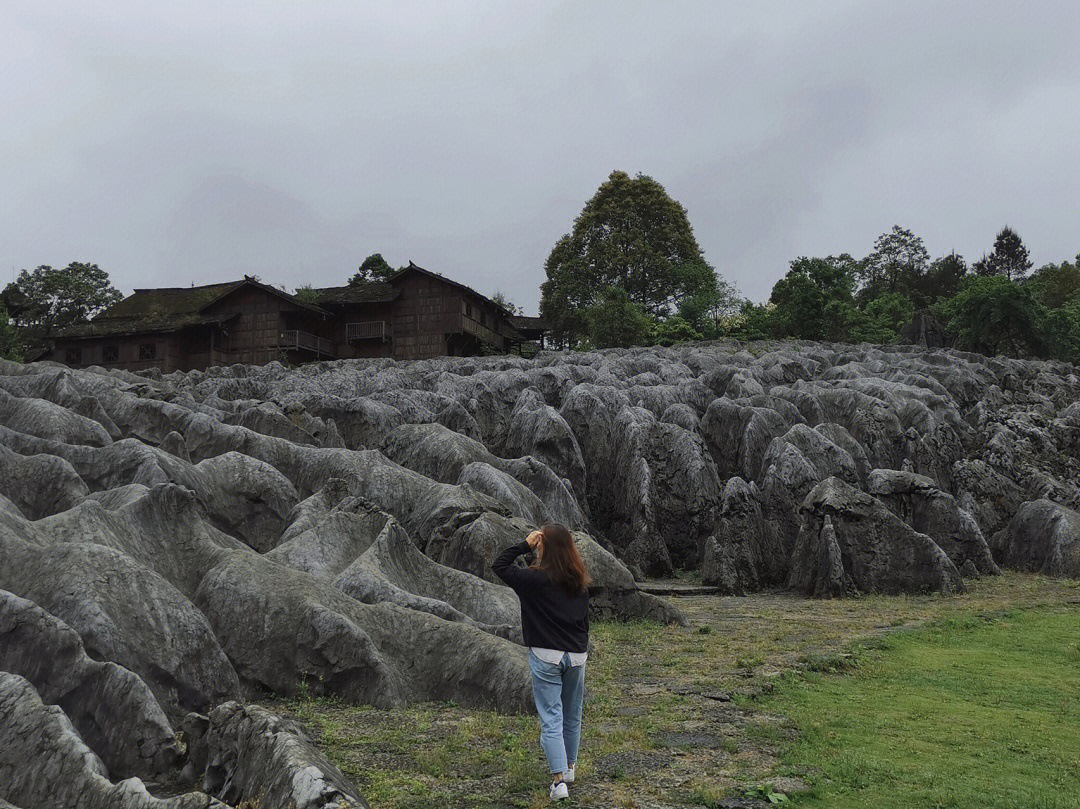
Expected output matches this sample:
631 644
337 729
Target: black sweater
551 616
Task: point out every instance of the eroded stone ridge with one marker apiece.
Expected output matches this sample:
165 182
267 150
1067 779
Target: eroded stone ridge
180 544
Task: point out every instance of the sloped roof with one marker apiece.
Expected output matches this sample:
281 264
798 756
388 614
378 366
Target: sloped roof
377 292
141 324
169 309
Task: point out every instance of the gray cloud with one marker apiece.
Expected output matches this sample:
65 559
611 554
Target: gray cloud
195 143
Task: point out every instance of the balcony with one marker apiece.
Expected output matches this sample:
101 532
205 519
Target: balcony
294 340
367 330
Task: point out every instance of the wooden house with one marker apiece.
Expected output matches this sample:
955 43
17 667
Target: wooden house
414 314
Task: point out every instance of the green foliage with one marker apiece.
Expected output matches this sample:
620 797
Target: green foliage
1008 258
897 263
675 329
994 315
1055 284
374 268
630 235
814 300
754 322
49 299
942 280
507 304
306 293
618 322
10 345
765 792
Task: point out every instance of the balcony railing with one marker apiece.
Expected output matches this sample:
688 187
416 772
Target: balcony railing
294 340
367 330
472 326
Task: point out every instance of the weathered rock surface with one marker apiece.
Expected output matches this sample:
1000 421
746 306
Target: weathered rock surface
850 540
184 540
247 756
1043 537
44 763
111 708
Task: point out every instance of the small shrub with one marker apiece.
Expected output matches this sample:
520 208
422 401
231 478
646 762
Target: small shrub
765 792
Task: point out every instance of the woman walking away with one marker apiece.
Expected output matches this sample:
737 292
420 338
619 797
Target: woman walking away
554 599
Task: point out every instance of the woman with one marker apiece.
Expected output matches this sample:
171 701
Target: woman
554 599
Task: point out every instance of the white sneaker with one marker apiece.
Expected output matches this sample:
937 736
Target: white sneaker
559 792
568 776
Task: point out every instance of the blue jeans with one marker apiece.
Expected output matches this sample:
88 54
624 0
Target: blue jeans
558 691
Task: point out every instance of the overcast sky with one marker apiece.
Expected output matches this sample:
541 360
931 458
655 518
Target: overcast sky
193 142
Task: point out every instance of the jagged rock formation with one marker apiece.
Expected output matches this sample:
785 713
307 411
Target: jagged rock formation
182 543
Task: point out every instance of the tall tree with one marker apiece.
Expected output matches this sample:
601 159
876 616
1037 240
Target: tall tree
812 301
994 315
1009 257
374 268
896 264
49 299
632 235
942 280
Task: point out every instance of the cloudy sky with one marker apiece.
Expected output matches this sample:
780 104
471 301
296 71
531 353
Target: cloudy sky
194 142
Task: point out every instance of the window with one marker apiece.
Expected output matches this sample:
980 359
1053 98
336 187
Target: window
73 356
110 354
468 310
148 351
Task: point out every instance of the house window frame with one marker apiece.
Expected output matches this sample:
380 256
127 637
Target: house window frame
73 355
110 353
147 351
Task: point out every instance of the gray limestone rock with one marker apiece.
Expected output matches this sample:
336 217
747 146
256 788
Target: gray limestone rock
850 540
247 756
112 709
1043 537
45 765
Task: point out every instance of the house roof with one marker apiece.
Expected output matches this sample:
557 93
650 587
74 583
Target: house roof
417 268
169 309
524 323
141 324
378 292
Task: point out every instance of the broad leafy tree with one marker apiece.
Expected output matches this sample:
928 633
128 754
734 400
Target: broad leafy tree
374 268
1009 257
813 301
943 279
47 299
994 315
630 235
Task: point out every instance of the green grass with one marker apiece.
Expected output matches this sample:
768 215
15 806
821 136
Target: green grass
963 712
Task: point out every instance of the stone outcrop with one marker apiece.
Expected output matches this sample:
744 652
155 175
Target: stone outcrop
179 543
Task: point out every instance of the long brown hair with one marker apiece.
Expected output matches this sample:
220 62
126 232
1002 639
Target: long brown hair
560 558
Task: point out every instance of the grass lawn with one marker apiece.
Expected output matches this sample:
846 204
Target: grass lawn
966 711
935 705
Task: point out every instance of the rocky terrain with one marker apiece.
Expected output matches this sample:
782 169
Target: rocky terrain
173 546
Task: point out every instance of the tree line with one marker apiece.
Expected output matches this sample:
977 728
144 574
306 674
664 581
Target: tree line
631 272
